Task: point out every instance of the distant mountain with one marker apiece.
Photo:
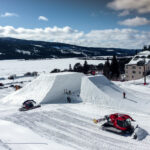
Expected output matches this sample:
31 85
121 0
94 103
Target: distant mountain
11 48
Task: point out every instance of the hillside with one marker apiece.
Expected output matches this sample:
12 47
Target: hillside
11 48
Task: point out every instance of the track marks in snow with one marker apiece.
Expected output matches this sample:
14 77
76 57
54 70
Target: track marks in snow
72 128
3 146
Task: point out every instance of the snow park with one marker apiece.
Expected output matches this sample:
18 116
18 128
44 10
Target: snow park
70 109
74 74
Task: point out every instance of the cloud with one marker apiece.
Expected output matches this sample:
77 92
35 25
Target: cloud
141 6
8 14
124 13
43 18
137 21
119 38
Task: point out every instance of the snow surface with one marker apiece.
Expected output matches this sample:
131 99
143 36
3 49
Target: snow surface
9 67
17 137
63 126
140 55
47 89
23 52
69 125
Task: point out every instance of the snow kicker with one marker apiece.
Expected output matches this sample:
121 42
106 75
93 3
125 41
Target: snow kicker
76 87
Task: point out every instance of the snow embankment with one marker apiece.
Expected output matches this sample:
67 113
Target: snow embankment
47 89
64 83
92 94
99 90
54 88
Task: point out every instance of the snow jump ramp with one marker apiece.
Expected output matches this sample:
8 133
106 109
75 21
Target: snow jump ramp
47 88
50 88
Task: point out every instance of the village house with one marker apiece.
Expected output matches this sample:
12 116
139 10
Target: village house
139 64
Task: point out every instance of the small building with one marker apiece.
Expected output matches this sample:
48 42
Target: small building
135 68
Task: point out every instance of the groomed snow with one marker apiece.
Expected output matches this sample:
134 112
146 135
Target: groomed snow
16 137
63 126
69 125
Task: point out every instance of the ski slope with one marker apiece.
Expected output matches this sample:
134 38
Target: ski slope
115 93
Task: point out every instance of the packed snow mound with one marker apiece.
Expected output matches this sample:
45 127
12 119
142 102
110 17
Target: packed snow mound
56 88
92 94
48 88
99 90
52 88
107 86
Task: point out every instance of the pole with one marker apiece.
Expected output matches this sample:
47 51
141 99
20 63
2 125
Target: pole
144 73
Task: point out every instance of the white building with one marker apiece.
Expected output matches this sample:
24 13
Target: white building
135 68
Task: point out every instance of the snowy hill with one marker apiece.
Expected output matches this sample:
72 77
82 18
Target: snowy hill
11 48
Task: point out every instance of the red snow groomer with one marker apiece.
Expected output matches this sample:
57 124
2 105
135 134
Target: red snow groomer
28 105
117 123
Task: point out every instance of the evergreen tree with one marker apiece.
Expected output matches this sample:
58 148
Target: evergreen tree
144 48
136 52
114 66
100 66
78 67
85 67
106 69
149 47
55 70
70 68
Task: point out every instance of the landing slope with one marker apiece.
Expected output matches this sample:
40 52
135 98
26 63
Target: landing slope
99 90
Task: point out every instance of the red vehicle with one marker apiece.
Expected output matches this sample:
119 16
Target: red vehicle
118 123
93 72
28 105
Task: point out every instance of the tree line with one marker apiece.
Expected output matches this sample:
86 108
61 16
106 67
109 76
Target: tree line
146 47
112 69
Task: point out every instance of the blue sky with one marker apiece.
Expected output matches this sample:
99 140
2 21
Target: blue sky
98 23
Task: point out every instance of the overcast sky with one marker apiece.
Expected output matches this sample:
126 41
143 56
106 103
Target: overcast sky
98 23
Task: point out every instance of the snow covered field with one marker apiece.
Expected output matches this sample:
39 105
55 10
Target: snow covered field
63 126
9 67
